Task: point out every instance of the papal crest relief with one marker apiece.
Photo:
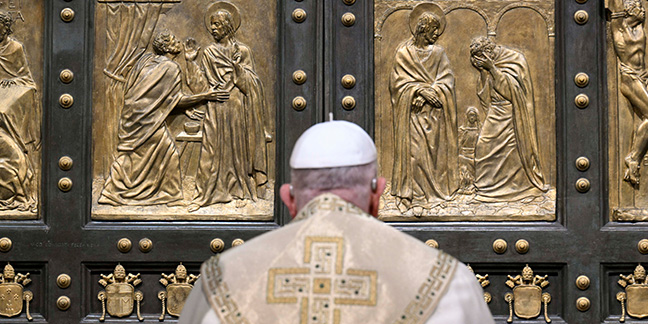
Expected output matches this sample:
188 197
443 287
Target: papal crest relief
12 293
178 287
119 295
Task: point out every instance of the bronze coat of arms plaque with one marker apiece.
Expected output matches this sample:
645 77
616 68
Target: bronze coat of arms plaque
637 300
120 299
177 296
11 301
527 301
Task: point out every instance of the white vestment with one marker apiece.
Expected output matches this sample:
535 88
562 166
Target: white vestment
335 264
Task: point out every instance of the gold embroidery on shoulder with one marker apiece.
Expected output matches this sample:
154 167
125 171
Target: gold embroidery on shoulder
322 277
430 292
329 203
219 295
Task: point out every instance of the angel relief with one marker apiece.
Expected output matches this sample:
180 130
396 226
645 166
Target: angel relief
461 154
191 130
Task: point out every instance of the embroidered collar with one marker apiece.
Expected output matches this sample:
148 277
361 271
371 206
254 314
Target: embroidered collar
328 202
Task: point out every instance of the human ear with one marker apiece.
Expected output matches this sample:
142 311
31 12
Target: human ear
374 202
288 199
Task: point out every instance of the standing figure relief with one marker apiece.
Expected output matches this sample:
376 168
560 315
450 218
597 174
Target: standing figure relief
425 115
629 39
19 124
233 155
507 162
477 160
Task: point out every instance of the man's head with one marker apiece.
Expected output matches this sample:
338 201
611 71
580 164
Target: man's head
221 24
634 9
337 157
427 28
482 46
6 25
166 43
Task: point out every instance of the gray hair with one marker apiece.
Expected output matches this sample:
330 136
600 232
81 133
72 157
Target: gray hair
310 183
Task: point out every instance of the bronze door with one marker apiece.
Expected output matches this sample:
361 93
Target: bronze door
510 133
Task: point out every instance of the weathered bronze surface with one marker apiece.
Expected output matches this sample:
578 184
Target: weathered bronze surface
450 152
178 286
634 300
527 297
120 294
12 293
21 79
200 144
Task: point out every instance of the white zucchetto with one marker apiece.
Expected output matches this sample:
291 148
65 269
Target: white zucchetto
333 144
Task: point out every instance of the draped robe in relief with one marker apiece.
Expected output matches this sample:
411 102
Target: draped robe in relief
507 161
20 117
147 168
233 156
425 143
335 264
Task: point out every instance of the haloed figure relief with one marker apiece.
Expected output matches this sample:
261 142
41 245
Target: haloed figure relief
628 88
19 124
233 155
461 154
425 115
186 131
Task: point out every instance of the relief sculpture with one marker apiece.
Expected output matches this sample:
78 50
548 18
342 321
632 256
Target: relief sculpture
20 113
188 130
628 88
461 154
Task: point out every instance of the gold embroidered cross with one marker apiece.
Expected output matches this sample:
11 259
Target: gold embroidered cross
322 283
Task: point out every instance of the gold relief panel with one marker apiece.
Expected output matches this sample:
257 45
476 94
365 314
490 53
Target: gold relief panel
628 109
465 109
21 84
183 106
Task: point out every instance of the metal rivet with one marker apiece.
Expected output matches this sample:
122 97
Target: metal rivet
65 163
299 77
237 242
500 246
63 281
522 246
66 100
348 19
348 81
145 245
217 245
63 303
582 185
5 244
65 184
582 163
67 14
581 101
582 282
348 103
349 2
299 15
432 243
581 80
299 103
642 246
124 245
583 304
581 17
66 76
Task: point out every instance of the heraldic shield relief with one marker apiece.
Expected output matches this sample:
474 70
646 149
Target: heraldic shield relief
120 294
527 297
178 287
12 293
634 300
